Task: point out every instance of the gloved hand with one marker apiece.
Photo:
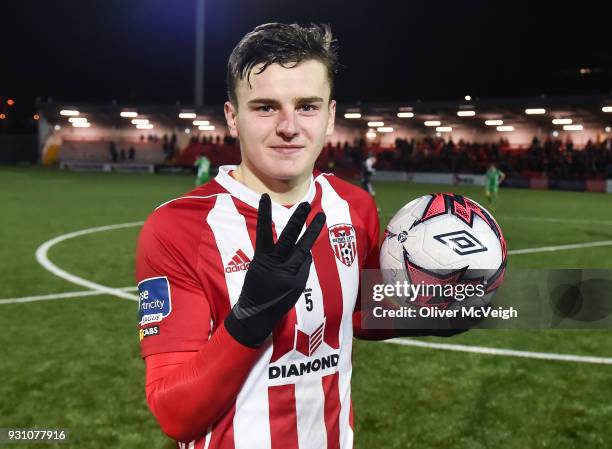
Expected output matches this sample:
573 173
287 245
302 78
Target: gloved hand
276 276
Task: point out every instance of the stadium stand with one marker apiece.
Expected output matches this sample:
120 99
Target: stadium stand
536 153
218 154
553 158
100 151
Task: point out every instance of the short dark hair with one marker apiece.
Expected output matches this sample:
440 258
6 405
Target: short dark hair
283 44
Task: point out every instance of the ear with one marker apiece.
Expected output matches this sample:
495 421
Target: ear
331 120
231 114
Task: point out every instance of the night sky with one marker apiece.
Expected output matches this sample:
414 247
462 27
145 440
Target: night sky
142 51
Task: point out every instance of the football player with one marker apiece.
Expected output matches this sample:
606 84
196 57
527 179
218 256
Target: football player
248 284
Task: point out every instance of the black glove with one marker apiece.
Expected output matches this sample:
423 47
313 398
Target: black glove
276 277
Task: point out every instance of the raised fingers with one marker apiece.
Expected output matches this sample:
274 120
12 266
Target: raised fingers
290 234
264 242
311 233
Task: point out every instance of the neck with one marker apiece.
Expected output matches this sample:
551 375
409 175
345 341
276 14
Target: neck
281 191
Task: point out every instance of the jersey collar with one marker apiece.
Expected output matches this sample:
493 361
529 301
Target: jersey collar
250 197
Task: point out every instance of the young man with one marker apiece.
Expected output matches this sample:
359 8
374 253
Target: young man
494 178
247 342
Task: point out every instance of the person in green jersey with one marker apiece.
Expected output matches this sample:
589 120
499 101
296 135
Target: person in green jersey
494 178
203 165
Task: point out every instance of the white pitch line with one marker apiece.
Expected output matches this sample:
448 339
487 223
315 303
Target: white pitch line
59 296
545 219
503 352
543 249
43 259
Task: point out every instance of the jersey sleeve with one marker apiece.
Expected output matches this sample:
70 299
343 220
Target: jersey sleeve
189 391
174 312
372 223
371 262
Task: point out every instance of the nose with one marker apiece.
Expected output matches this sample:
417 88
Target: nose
287 126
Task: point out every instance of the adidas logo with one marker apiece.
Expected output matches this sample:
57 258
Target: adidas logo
240 262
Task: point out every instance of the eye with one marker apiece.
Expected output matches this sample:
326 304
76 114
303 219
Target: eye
264 108
309 108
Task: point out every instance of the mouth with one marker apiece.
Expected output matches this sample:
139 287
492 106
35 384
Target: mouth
286 149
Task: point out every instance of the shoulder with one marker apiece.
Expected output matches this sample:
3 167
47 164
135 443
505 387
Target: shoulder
186 213
353 194
360 202
198 198
172 235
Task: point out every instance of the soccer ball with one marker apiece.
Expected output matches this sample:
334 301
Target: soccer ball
445 239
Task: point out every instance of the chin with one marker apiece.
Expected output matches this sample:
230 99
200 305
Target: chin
287 174
288 169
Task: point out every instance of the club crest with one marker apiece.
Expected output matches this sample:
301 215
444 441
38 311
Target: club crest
344 242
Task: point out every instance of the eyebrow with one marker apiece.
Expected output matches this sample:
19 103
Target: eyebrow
275 102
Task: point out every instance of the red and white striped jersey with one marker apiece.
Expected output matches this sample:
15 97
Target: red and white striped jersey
298 394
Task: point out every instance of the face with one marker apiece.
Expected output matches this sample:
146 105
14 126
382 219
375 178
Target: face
282 119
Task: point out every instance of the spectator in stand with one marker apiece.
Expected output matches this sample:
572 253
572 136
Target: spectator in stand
367 170
131 153
113 151
548 157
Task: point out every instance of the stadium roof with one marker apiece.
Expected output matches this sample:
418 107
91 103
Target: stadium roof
585 110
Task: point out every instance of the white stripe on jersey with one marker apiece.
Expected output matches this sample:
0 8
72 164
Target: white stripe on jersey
251 421
309 397
188 197
231 235
337 211
310 406
207 438
252 408
309 320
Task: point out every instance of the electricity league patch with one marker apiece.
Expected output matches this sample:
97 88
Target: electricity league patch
154 303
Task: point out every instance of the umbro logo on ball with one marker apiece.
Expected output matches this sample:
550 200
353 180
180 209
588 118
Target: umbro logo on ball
462 242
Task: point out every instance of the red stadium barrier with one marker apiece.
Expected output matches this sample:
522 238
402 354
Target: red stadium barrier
218 154
595 185
540 183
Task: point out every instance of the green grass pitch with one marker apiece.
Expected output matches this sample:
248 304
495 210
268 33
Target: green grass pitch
74 363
